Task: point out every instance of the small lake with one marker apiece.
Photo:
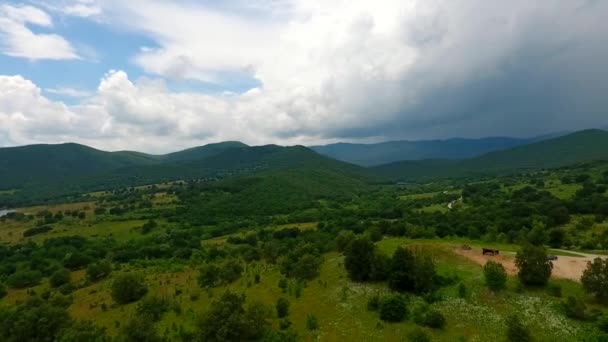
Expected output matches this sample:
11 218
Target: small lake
6 211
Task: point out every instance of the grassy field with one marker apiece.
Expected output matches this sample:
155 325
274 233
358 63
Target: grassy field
339 304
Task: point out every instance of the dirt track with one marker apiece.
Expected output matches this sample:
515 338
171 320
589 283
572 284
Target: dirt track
565 267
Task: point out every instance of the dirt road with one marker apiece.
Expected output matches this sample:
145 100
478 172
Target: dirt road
565 267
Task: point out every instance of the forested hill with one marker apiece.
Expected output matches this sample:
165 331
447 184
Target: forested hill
47 163
38 181
579 147
392 151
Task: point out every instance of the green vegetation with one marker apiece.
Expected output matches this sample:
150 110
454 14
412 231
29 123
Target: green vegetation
281 244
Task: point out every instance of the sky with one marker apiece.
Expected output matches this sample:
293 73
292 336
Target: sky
159 76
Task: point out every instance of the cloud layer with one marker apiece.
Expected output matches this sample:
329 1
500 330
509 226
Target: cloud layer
18 40
329 71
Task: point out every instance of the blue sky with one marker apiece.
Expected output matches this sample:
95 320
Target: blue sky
158 75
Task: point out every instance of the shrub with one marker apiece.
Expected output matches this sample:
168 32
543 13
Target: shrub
60 277
127 288
554 290
462 291
37 230
574 308
495 276
152 308
24 278
312 322
516 331
2 291
423 315
418 335
393 308
534 268
595 278
282 307
602 322
373 303
98 270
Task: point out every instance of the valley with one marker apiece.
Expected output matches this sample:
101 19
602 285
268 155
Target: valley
282 244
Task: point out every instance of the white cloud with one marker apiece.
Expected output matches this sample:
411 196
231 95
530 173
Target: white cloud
17 40
340 69
69 92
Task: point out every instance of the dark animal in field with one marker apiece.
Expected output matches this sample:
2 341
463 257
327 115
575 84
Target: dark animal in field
551 257
489 251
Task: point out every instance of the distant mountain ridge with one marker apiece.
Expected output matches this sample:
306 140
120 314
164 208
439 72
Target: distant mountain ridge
392 151
579 147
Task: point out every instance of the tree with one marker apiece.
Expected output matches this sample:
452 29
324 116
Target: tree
24 278
393 308
81 331
516 331
209 275
538 234
152 308
227 320
343 239
403 267
534 268
282 307
128 288
380 266
98 270
307 267
138 329
33 321
411 272
358 259
595 278
495 275
60 277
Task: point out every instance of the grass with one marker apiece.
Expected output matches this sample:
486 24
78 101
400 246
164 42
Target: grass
339 304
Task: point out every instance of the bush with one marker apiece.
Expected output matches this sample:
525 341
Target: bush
462 291
595 278
393 308
152 308
98 270
24 278
602 322
574 308
516 331
312 322
81 331
495 276
2 291
36 231
534 268
423 315
60 277
554 290
128 288
418 335
228 320
282 307
373 303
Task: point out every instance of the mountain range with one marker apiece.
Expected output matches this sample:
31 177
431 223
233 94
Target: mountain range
44 171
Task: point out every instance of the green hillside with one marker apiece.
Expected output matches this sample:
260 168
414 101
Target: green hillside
579 147
20 166
202 152
231 162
